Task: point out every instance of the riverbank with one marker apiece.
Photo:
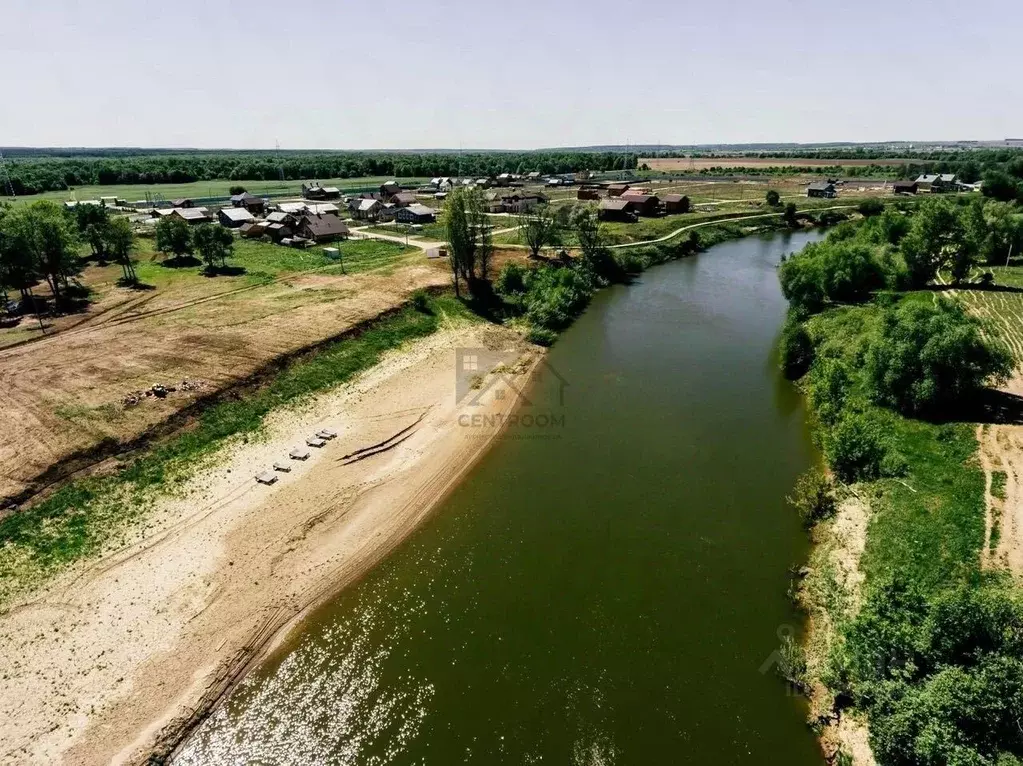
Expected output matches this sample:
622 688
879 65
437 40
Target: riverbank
118 655
911 655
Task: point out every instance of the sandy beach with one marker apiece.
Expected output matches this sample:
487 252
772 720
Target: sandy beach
116 657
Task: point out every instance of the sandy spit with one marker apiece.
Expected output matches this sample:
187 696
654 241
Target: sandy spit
115 659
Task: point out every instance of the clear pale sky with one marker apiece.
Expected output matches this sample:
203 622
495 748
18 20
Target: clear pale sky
515 74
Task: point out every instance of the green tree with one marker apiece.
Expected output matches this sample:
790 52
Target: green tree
119 242
596 256
931 357
789 216
1000 186
870 207
937 237
48 241
18 269
540 228
470 242
773 198
173 236
215 244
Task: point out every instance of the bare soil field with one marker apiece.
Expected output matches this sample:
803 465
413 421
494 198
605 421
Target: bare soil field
703 163
63 395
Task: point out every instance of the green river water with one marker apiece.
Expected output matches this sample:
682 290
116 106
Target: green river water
608 589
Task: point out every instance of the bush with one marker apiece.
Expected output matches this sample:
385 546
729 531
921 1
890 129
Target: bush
773 198
812 497
795 349
541 337
236 190
870 207
421 301
929 357
556 296
512 280
855 448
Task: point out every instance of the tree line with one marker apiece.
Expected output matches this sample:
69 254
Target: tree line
34 174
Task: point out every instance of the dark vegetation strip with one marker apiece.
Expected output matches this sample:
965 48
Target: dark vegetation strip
896 379
80 516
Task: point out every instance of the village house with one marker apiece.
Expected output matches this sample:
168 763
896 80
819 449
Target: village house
415 213
253 230
617 190
675 203
588 193
233 217
182 203
248 201
947 182
646 205
514 202
404 199
316 192
389 189
904 187
192 215
279 231
821 189
364 208
291 208
322 228
322 208
615 210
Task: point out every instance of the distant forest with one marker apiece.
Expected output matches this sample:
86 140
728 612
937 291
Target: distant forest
39 170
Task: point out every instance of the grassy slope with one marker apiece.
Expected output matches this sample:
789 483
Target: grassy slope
81 517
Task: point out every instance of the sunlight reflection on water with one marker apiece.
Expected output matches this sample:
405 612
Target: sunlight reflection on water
324 704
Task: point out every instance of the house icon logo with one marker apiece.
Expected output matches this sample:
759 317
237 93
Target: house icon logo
480 372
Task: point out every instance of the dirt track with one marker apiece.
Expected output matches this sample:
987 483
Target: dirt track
62 395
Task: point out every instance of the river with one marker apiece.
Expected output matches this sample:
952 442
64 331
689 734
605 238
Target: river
607 588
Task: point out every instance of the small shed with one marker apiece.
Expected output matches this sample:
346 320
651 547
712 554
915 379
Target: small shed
182 203
617 190
366 209
904 187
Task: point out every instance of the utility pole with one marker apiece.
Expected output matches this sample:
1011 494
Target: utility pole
1009 255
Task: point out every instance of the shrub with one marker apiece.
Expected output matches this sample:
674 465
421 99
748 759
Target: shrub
236 190
796 349
855 448
541 337
773 198
421 301
556 296
932 356
812 497
870 207
511 280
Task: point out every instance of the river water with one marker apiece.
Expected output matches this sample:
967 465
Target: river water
608 588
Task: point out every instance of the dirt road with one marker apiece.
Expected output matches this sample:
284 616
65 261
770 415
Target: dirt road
115 655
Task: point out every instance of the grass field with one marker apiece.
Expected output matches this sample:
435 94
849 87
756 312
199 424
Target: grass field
201 189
